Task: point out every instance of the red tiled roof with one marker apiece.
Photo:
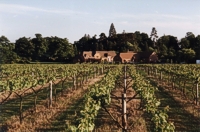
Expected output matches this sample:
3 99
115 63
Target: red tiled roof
126 56
110 53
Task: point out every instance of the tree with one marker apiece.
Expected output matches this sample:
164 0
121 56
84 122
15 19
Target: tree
187 54
163 51
4 41
100 47
142 40
197 47
184 43
3 48
25 48
154 35
151 49
171 53
59 49
112 31
102 36
83 44
7 54
167 47
162 47
133 47
111 45
41 47
191 38
189 34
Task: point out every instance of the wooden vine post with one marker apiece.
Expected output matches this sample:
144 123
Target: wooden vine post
173 79
50 93
20 110
197 93
74 81
124 115
20 105
124 100
94 72
160 75
156 73
102 70
98 71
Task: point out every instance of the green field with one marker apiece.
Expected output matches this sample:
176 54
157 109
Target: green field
88 97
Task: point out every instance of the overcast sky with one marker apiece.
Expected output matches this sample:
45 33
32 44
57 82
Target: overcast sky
72 19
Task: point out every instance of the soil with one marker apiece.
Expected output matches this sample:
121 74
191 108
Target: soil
44 118
183 112
7 96
135 116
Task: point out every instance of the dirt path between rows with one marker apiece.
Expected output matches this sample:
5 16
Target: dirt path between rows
8 95
184 119
135 117
44 119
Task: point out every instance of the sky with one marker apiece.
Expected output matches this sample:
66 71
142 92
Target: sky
72 19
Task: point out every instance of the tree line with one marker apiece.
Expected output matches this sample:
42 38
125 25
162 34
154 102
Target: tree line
43 49
37 49
168 47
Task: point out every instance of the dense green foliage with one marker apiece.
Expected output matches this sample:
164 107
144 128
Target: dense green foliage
180 77
39 48
7 53
151 103
36 49
99 96
168 47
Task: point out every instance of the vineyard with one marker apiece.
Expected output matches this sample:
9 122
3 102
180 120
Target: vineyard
99 97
